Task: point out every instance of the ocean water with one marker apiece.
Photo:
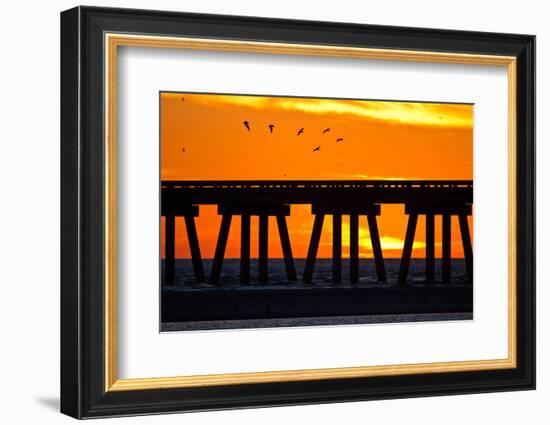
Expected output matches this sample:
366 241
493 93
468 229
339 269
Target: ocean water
322 275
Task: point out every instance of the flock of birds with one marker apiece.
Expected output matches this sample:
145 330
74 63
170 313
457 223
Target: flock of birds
300 132
272 127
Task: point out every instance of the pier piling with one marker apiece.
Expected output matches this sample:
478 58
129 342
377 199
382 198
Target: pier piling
376 247
287 249
337 211
263 247
446 248
245 248
220 249
407 248
263 211
466 244
336 248
353 248
313 247
430 210
188 212
430 248
170 250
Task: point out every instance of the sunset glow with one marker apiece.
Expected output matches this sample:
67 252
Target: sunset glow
203 138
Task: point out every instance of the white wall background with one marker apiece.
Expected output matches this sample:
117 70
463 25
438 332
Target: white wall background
29 217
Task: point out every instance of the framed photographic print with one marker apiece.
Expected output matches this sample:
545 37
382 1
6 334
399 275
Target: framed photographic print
290 163
261 212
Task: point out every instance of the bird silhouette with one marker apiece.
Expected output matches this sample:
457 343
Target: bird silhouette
183 149
271 127
326 130
247 125
318 148
300 131
339 140
182 99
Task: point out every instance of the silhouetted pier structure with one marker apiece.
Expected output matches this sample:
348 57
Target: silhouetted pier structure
188 212
263 212
337 210
446 211
338 198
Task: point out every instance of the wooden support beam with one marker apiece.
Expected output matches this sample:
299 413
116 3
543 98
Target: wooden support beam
262 248
430 248
194 248
467 245
313 246
287 249
245 248
220 249
446 248
354 248
337 248
407 248
345 208
438 208
254 208
376 248
170 250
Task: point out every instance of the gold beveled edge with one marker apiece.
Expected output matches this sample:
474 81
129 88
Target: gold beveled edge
512 212
244 46
307 375
110 213
112 41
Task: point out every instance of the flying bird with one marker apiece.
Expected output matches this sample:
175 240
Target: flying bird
247 125
301 131
183 149
326 130
318 148
339 140
271 127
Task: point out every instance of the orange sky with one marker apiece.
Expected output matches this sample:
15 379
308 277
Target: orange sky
382 140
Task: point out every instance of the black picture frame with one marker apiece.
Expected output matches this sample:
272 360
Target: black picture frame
83 393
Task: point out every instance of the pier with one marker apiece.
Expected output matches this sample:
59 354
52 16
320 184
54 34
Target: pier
337 198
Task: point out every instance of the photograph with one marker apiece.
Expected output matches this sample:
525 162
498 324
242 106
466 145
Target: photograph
301 211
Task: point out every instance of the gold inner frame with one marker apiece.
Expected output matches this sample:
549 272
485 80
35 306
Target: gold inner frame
113 41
